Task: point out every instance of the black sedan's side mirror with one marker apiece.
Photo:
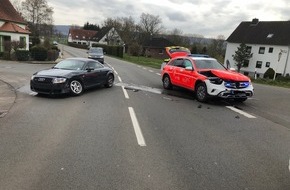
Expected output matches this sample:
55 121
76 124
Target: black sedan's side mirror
89 69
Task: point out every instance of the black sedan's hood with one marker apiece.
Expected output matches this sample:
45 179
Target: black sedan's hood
56 72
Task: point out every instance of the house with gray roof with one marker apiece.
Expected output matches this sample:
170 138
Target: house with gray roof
269 43
12 27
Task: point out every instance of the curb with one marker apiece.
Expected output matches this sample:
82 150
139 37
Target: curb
7 97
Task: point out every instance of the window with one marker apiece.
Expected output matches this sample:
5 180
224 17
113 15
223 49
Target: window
22 42
259 64
249 49
262 50
187 63
271 50
270 36
94 65
267 64
178 62
246 63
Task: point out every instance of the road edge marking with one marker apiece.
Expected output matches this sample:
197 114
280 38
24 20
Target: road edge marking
241 112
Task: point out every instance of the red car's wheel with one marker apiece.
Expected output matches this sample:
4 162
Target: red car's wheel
201 92
167 82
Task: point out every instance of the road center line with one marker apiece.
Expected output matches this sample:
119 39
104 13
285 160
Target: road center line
137 128
240 112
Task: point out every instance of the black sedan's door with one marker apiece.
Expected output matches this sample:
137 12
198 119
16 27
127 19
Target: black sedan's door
94 75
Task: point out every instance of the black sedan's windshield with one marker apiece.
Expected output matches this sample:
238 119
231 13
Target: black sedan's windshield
70 64
208 64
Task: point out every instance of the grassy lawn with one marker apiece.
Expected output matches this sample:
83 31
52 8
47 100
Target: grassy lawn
145 61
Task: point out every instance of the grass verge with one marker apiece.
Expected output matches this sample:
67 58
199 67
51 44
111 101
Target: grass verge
285 84
145 61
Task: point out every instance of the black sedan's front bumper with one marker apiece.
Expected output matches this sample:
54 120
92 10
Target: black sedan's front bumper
49 88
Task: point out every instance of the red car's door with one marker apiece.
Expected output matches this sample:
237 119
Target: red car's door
177 66
187 75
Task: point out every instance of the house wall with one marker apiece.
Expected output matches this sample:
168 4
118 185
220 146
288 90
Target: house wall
276 60
113 37
156 53
16 37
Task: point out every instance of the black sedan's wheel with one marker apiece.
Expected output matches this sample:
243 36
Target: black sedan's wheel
110 81
167 82
201 92
76 87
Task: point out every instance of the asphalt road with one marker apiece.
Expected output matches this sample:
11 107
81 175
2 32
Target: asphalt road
138 136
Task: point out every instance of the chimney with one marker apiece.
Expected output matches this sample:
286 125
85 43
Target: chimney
255 21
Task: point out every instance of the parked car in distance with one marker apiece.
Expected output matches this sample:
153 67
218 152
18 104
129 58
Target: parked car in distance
72 75
96 53
55 43
207 78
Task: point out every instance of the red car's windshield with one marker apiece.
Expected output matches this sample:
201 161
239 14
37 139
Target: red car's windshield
208 64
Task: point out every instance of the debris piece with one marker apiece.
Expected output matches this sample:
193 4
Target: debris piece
237 117
199 106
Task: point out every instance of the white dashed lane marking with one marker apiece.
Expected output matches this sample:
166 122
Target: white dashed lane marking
137 129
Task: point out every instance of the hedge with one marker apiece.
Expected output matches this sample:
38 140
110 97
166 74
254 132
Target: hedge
22 55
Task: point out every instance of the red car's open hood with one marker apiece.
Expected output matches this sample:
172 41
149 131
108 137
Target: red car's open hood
177 51
228 75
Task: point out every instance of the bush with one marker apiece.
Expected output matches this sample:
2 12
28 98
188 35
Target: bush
269 73
111 50
39 53
135 49
6 55
22 55
52 55
283 79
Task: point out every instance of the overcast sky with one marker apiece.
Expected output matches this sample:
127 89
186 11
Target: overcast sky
208 18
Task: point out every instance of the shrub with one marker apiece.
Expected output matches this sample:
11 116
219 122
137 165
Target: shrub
283 79
269 73
22 55
52 55
135 49
39 53
6 55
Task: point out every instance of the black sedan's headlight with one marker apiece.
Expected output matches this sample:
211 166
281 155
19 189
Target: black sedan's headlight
58 80
215 80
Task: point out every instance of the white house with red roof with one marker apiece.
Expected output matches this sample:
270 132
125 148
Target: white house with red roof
106 35
12 26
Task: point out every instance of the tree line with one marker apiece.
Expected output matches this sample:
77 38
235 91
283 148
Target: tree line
39 16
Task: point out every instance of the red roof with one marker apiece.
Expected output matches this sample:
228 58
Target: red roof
11 27
8 12
82 34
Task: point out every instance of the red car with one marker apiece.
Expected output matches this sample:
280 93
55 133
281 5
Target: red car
206 77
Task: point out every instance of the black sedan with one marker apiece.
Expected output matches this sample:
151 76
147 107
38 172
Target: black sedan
72 75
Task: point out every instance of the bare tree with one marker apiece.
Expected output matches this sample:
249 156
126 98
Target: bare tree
17 5
150 24
112 22
37 13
